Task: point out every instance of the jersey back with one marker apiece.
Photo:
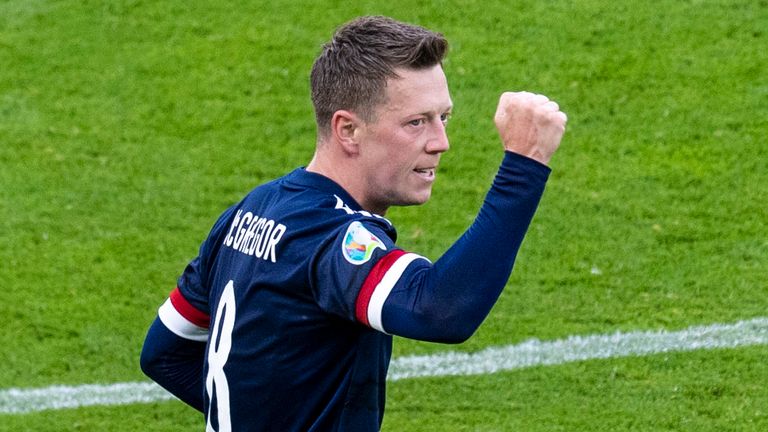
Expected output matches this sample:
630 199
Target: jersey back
280 276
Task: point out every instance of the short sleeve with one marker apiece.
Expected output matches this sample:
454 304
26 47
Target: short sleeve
354 270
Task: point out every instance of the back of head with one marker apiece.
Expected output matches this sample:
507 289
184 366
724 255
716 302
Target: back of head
352 70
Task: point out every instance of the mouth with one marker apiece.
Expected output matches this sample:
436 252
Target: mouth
427 173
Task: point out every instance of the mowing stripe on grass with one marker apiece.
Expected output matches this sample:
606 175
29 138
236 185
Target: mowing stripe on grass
527 354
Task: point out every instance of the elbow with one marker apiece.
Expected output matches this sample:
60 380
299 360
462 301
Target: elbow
456 334
154 351
149 362
448 322
455 325
446 328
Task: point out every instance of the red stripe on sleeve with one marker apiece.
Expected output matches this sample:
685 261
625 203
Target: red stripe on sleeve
371 281
189 312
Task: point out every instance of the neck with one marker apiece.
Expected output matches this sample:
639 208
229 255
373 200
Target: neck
351 181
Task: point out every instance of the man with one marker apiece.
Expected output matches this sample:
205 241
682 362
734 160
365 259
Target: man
284 320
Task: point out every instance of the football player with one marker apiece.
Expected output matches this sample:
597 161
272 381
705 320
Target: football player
284 320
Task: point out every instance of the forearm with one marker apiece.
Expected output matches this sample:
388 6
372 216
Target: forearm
447 301
175 363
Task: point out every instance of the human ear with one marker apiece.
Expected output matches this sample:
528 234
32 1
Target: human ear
345 126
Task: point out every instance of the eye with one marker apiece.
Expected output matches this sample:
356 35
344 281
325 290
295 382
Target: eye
416 122
445 117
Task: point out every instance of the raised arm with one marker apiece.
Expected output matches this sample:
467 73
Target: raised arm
448 300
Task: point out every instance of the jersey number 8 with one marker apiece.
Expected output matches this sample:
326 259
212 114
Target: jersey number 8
218 352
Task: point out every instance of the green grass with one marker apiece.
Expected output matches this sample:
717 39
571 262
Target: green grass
126 127
680 392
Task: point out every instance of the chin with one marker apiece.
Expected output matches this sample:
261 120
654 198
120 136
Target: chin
413 198
418 199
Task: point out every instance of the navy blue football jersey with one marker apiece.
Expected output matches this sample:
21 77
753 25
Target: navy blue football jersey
296 292
281 277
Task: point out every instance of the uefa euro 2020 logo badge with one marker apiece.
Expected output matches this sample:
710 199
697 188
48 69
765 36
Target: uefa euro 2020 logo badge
359 244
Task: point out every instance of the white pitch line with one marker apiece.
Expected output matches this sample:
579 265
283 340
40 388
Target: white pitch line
19 401
578 348
527 354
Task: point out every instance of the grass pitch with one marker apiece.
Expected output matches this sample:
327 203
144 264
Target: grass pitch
126 128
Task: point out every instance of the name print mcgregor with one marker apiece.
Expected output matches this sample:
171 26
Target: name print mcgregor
254 235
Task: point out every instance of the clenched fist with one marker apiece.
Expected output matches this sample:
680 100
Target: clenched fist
530 124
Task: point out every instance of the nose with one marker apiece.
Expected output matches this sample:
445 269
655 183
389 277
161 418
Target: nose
438 141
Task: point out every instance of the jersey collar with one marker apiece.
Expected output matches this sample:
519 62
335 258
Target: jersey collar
302 177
